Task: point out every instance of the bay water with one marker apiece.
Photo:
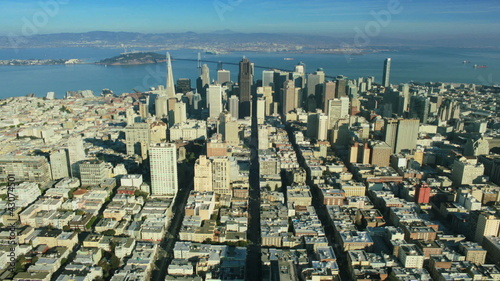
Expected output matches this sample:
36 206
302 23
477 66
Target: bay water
418 64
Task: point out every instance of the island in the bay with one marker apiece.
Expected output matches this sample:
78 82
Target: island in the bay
134 58
40 62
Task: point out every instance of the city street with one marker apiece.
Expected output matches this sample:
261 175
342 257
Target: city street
254 263
168 243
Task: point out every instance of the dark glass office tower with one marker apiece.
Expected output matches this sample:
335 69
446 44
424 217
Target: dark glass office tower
245 81
183 85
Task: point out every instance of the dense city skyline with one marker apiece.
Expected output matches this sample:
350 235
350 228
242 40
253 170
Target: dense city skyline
361 166
302 162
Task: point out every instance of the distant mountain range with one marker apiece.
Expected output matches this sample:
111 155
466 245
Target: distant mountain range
224 38
232 41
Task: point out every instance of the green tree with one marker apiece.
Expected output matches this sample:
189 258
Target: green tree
20 264
115 262
106 268
143 194
64 109
109 232
91 223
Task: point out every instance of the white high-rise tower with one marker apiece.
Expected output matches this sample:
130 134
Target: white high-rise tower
163 165
387 72
76 153
214 100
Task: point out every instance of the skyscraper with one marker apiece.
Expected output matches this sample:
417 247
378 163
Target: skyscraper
205 75
279 79
93 172
365 154
298 76
130 114
329 89
488 224
163 165
419 108
228 128
289 98
341 90
137 138
143 110
300 68
312 125
267 94
401 134
407 134
180 115
390 132
387 71
314 88
183 85
267 78
313 82
197 101
245 81
337 109
161 110
202 82
59 164
449 109
203 174
405 89
352 89
214 100
261 110
394 102
221 170
223 76
353 153
355 107
322 127
234 103
170 89
76 153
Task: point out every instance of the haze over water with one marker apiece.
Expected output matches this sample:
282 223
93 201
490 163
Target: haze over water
422 65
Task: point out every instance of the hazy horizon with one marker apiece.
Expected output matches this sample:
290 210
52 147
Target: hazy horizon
398 19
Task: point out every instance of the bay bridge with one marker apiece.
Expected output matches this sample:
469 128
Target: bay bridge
220 65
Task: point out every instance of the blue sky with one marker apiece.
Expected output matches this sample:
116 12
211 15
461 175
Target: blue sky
330 17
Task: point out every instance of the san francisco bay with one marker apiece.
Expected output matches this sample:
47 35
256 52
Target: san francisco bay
420 65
